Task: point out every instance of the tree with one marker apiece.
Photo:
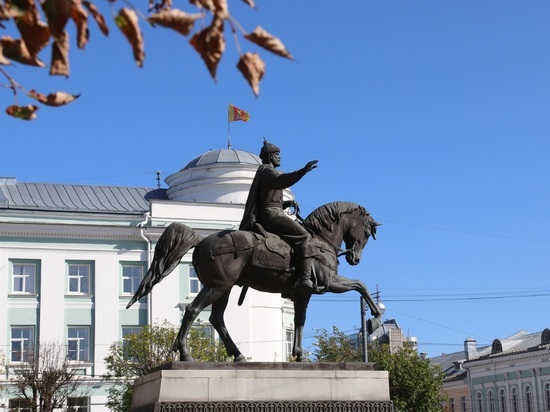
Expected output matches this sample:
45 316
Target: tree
337 347
46 378
140 352
415 383
32 35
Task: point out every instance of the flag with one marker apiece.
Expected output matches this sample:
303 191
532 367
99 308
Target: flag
237 114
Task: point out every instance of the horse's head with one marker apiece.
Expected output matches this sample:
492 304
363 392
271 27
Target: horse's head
361 227
343 221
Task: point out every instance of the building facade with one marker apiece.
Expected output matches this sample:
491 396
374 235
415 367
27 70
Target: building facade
72 256
511 375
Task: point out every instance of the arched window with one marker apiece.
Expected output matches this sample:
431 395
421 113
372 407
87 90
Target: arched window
502 399
528 399
547 395
479 401
497 346
545 337
491 397
515 400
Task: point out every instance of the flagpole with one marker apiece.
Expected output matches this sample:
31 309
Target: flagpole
228 130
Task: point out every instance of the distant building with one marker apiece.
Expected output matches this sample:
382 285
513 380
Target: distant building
511 375
389 333
71 256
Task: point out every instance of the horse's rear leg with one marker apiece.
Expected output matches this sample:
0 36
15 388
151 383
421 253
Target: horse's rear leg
205 297
216 319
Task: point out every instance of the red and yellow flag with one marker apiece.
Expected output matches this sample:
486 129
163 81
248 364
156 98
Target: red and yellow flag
237 114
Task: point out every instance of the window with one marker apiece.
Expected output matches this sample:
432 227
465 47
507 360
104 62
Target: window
547 395
289 343
528 399
131 278
515 400
502 399
492 405
452 404
24 278
78 343
22 343
79 279
194 283
479 401
19 405
78 404
464 404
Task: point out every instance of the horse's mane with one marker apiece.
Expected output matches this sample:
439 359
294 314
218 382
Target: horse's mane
327 215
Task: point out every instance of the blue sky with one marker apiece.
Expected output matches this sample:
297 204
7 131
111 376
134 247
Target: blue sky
431 114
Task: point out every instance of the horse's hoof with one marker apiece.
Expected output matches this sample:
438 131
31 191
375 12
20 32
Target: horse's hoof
239 358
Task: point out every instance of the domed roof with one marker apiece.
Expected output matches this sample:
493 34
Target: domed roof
225 156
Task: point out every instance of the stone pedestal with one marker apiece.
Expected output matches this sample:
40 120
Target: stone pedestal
262 386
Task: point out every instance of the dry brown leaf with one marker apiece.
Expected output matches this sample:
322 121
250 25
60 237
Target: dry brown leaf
58 13
3 60
175 19
22 112
60 56
98 17
217 7
54 99
210 44
127 22
269 42
253 69
80 18
35 35
17 50
160 5
250 3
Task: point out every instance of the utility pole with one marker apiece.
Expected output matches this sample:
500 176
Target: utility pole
364 329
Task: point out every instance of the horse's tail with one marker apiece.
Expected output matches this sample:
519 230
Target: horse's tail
176 240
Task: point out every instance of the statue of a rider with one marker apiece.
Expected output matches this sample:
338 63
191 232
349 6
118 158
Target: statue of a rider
265 206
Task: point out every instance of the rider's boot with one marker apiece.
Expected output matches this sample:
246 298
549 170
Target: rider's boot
303 268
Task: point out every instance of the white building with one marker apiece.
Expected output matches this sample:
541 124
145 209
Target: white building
71 256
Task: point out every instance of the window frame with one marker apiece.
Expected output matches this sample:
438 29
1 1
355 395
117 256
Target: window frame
479 401
547 394
133 280
528 397
24 277
491 404
19 405
502 399
77 407
79 279
27 350
514 398
194 282
83 344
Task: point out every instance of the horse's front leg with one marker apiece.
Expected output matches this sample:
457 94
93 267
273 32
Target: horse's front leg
341 284
300 309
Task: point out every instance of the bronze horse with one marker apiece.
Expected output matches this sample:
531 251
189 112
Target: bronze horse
228 258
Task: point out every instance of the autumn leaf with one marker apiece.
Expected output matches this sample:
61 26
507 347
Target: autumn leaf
210 44
17 50
54 99
127 22
253 69
3 60
60 56
269 42
22 112
80 17
175 19
34 32
217 7
98 17
58 13
250 3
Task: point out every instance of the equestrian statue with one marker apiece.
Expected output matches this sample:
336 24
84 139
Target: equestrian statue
271 252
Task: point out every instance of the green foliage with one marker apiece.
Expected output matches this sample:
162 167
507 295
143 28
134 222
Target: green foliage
415 383
336 347
147 349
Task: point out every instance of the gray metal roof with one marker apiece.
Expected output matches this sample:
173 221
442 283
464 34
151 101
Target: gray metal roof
231 156
76 198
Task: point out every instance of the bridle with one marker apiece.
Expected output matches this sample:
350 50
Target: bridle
337 249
